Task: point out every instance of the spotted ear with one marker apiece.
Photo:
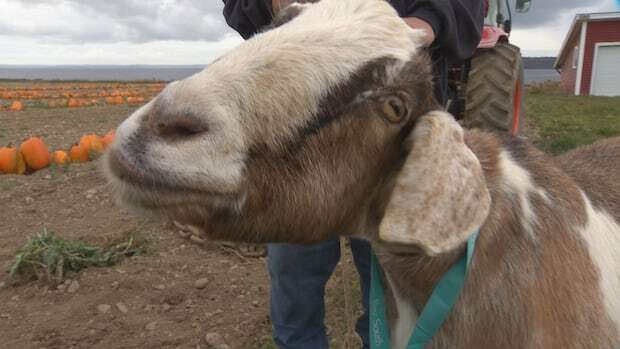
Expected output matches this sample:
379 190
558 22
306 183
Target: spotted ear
440 196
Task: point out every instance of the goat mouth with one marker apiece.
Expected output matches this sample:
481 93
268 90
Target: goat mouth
144 187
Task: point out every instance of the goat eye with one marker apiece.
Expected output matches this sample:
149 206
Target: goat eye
394 109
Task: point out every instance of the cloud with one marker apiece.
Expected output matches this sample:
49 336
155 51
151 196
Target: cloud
541 31
32 52
191 31
95 21
554 12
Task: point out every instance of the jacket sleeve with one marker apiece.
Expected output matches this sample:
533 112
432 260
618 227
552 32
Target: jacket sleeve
247 16
457 24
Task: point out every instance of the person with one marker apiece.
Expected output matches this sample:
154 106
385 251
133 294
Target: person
299 273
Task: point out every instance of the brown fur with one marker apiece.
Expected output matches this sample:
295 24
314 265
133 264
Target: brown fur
520 293
596 169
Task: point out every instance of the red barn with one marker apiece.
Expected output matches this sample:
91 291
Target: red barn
589 60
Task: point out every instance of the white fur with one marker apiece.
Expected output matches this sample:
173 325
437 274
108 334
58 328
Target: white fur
130 125
517 182
602 234
406 320
269 87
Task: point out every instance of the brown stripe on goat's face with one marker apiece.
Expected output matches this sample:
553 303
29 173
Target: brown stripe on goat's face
324 179
362 96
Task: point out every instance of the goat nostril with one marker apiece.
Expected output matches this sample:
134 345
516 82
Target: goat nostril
179 129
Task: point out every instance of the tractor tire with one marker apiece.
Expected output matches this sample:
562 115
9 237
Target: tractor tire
494 90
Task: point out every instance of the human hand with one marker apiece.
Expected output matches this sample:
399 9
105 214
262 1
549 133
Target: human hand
277 5
417 23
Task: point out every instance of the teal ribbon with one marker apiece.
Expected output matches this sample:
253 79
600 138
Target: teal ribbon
435 311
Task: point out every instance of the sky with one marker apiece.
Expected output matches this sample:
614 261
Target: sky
193 31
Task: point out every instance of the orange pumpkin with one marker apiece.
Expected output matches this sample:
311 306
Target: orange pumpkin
16 106
11 161
92 144
78 154
115 100
61 158
73 103
135 100
35 153
108 139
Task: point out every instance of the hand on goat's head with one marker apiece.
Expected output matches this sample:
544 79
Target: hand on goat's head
292 137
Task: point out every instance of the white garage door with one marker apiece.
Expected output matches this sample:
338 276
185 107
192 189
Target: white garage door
606 74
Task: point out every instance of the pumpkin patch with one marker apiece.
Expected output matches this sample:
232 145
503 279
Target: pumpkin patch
34 154
76 94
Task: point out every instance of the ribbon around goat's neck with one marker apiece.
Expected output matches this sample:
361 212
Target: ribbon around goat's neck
435 311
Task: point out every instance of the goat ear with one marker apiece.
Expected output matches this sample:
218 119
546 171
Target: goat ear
440 195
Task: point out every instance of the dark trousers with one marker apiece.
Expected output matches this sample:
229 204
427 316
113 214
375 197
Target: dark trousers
298 278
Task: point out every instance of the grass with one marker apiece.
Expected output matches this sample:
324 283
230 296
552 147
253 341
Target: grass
267 343
6 185
49 257
565 122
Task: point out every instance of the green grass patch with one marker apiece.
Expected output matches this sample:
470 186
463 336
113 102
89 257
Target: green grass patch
267 343
6 185
565 122
49 257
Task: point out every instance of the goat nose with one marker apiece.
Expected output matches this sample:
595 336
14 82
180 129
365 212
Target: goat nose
176 127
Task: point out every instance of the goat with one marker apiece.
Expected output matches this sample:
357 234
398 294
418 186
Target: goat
326 123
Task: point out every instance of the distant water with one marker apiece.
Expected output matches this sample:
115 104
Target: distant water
540 75
155 72
100 72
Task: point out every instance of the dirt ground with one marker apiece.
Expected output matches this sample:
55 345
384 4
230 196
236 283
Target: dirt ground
147 301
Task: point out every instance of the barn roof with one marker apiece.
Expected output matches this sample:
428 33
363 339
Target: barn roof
575 27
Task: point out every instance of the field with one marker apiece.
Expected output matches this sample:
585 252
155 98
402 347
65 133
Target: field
558 123
153 300
19 95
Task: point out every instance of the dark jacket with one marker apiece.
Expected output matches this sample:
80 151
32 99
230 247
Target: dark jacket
457 25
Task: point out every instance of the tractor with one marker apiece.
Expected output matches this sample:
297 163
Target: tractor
487 90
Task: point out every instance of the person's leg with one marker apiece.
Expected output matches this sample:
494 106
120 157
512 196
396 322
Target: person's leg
298 278
361 257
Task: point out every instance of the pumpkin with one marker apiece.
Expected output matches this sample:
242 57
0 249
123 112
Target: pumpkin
73 103
35 153
60 158
135 100
16 106
11 161
78 154
115 100
92 144
108 139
